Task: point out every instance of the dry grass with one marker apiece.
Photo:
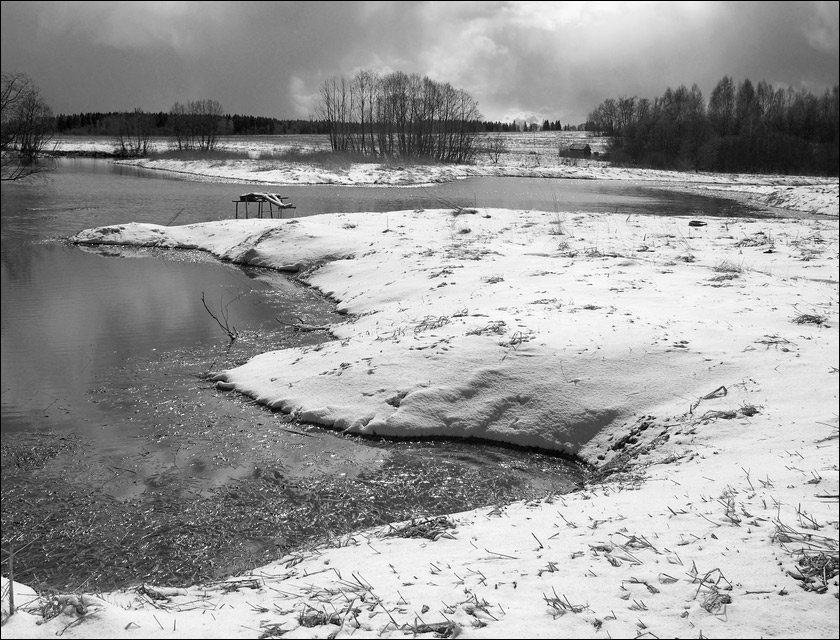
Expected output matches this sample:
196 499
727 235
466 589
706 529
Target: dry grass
312 617
429 528
810 318
431 322
818 559
728 267
776 341
557 225
560 605
187 155
496 327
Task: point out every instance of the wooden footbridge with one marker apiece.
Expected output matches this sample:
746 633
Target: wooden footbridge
261 199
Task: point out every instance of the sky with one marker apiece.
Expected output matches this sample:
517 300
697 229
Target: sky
518 60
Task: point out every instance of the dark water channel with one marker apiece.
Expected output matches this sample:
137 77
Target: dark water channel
122 462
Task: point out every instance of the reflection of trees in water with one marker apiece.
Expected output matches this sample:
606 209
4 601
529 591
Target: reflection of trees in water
17 258
27 207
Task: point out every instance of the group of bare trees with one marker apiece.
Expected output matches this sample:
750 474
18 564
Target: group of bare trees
399 114
744 127
26 126
196 124
133 132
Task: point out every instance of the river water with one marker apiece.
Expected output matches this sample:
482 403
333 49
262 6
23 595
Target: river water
105 397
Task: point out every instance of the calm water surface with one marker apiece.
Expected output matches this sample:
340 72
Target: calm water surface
72 315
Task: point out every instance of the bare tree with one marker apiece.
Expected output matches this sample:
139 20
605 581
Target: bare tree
26 126
133 134
180 125
626 111
495 147
207 116
196 124
747 108
721 110
365 87
606 118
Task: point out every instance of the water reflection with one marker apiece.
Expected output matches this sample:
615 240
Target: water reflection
75 315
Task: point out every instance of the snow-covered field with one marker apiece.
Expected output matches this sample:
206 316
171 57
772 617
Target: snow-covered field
693 363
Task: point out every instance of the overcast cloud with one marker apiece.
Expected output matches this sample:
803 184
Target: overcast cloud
554 60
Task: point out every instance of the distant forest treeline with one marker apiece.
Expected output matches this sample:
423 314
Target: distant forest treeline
744 128
105 124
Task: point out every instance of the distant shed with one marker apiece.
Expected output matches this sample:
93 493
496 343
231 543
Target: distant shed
580 150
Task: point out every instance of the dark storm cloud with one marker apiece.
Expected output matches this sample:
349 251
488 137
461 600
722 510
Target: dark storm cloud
556 60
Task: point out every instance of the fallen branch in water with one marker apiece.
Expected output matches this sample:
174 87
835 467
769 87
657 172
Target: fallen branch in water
231 332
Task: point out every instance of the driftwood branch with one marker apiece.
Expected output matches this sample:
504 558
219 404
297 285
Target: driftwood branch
300 325
231 332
